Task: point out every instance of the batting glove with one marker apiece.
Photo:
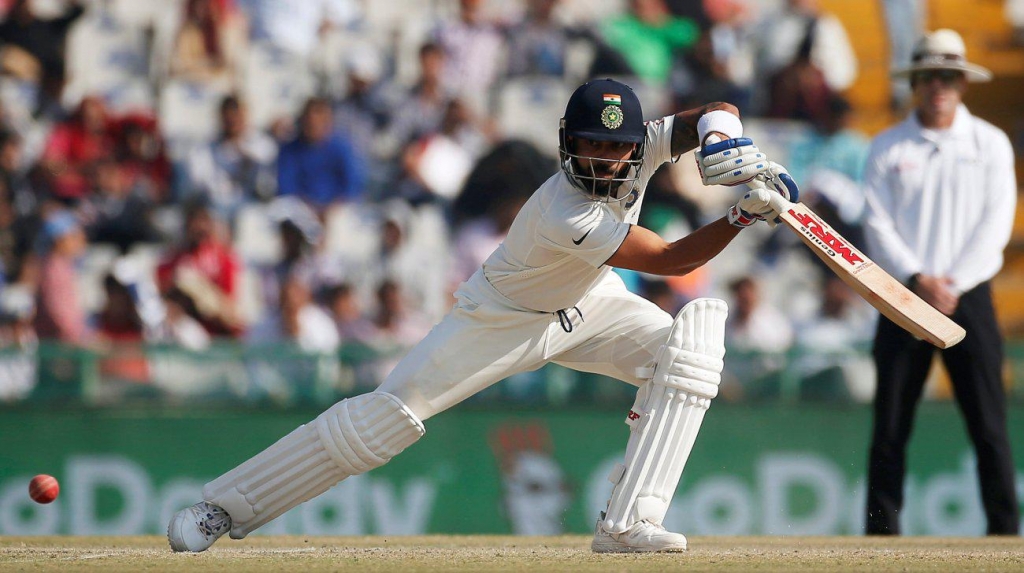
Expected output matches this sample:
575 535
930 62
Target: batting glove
730 162
751 208
776 177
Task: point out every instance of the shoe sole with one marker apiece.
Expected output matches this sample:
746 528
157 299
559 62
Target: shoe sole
622 548
175 526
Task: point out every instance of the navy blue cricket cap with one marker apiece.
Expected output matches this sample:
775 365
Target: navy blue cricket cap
605 110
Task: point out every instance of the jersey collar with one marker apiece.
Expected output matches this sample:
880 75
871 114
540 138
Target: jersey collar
960 129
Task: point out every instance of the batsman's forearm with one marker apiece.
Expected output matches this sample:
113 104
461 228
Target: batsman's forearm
696 249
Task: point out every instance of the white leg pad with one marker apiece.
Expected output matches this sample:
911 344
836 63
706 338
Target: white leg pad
667 415
351 437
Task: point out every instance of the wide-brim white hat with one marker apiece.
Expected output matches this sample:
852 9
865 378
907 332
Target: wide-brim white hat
943 50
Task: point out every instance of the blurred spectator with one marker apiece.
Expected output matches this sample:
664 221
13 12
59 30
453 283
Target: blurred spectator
758 335
19 205
342 301
235 168
754 324
284 340
661 293
423 108
209 43
16 188
477 238
833 145
435 167
18 344
649 37
141 154
366 110
73 146
300 233
395 327
116 211
320 165
801 31
366 107
178 327
833 344
298 321
206 270
120 326
830 160
59 313
8 240
420 272
799 90
42 41
295 27
397 324
537 45
721 65
473 48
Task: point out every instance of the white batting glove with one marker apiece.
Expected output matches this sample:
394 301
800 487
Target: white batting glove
776 177
730 162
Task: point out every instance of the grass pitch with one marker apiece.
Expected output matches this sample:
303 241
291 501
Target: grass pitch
501 553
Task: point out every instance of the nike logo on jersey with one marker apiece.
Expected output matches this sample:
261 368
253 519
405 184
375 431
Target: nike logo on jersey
580 240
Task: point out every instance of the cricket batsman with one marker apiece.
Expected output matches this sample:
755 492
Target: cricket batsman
548 294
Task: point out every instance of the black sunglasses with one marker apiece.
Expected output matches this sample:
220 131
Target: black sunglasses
947 77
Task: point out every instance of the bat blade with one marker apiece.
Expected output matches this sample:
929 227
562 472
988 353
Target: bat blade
895 301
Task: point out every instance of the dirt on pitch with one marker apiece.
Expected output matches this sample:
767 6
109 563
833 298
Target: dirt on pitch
499 553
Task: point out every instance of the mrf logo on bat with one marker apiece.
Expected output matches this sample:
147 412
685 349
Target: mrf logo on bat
819 232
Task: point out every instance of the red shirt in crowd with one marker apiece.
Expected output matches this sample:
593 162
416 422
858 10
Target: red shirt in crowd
72 148
216 263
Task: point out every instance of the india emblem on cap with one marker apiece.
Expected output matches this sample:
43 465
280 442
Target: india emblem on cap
611 117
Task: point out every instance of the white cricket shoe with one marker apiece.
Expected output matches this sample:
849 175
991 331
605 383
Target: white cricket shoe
642 537
196 528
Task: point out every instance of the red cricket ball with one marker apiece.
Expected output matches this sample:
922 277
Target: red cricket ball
43 488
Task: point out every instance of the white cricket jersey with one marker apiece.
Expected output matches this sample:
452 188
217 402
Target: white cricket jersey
941 202
556 249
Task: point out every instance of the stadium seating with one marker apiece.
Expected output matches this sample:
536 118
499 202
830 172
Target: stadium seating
530 108
256 237
188 112
275 85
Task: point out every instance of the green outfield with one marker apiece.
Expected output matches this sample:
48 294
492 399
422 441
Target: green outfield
504 553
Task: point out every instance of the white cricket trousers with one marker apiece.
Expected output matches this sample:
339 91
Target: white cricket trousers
486 338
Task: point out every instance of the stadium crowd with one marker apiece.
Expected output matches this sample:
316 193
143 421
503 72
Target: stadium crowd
326 172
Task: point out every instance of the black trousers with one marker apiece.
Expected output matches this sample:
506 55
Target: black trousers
974 366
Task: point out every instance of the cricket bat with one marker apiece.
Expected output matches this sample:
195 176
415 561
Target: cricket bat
895 301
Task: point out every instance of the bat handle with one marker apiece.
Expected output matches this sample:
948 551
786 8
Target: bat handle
777 202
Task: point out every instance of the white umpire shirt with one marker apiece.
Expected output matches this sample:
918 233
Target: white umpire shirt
940 202
557 247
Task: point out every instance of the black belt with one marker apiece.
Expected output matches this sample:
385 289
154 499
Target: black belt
563 318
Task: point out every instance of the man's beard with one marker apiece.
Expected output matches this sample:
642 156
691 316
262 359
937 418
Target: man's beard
607 178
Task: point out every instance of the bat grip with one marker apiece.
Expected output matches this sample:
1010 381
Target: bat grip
777 202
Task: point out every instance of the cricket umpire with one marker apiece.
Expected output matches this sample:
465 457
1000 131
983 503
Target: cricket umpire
941 197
